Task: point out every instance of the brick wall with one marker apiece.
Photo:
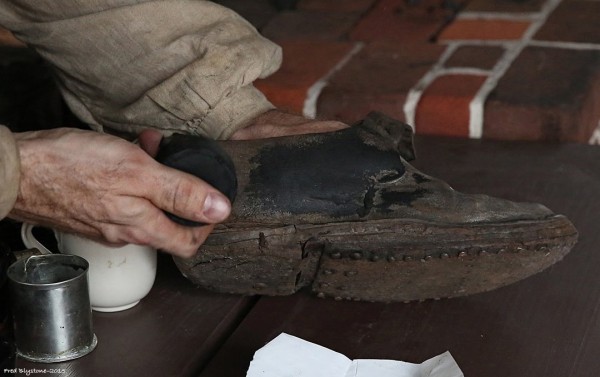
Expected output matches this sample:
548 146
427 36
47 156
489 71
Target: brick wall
516 70
512 69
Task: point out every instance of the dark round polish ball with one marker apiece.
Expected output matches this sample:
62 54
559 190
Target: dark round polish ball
203 158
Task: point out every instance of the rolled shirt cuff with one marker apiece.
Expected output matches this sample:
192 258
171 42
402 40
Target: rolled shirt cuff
10 171
231 114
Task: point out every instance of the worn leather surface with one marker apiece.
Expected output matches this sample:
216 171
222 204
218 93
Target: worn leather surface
356 174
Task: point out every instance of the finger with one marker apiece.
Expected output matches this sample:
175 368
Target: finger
179 240
150 141
186 196
158 231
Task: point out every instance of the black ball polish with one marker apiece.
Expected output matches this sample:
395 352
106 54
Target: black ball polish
203 158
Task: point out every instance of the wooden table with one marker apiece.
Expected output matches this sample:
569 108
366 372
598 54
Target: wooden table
547 325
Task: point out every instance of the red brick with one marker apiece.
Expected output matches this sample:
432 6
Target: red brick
483 57
484 29
504 6
350 107
573 21
335 5
444 106
547 94
590 114
403 21
304 63
378 78
306 25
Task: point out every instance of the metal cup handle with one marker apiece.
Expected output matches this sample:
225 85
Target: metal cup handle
30 241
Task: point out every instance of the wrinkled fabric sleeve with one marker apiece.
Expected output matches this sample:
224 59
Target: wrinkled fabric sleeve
9 171
180 65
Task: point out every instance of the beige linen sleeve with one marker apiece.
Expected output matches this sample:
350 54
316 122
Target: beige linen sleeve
180 65
9 171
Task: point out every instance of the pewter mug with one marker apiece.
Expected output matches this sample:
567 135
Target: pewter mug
51 307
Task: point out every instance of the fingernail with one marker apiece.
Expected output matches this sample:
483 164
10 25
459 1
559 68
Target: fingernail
216 207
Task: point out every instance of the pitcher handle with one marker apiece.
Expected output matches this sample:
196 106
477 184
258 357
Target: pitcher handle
30 241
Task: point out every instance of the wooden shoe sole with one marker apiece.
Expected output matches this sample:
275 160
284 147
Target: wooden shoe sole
382 260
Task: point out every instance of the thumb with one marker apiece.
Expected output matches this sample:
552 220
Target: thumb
188 197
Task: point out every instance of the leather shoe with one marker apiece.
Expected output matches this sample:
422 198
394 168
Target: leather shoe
345 214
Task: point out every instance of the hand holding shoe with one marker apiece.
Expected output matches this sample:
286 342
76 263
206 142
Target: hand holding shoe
108 189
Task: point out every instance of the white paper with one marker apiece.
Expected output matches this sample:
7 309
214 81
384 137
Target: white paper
382 368
289 356
441 366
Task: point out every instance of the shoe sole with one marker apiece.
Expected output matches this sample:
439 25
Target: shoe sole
378 260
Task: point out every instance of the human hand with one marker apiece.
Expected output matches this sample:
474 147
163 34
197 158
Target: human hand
110 190
275 123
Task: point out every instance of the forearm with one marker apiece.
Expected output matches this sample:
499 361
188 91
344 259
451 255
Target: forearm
134 64
9 171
